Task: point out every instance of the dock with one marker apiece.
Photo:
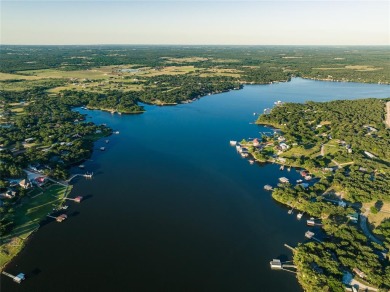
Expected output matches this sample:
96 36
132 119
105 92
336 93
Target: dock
18 278
78 199
86 175
59 218
284 180
277 264
310 235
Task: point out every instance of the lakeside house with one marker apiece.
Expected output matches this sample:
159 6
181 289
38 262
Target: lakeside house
9 194
25 184
343 204
256 142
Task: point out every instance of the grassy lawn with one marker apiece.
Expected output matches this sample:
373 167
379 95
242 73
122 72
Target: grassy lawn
8 76
28 215
55 73
376 219
301 151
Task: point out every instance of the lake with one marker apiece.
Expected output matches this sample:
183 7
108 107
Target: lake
173 207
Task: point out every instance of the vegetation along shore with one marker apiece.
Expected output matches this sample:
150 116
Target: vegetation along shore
344 146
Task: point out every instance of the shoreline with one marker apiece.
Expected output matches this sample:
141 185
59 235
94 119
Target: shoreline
24 241
67 193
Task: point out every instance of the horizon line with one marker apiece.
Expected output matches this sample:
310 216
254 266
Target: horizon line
215 45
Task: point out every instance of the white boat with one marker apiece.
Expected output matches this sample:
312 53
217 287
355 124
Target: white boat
233 143
299 216
299 181
102 148
251 161
107 141
116 132
81 166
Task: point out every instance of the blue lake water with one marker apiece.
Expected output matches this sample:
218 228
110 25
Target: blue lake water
173 207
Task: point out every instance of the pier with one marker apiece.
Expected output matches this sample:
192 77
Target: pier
86 175
18 278
310 235
78 199
59 218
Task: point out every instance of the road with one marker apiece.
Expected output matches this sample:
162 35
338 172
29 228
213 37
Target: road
388 114
366 231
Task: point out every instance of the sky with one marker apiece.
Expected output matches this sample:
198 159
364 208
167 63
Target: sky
234 22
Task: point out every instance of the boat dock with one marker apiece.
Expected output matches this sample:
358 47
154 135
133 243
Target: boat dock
18 278
284 180
78 199
277 264
86 175
310 235
59 218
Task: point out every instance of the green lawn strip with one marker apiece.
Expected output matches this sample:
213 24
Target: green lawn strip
28 215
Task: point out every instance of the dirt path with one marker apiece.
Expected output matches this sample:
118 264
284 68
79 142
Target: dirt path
388 114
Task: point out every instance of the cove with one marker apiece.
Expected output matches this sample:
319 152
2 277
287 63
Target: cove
172 206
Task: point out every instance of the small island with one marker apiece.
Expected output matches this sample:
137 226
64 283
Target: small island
343 147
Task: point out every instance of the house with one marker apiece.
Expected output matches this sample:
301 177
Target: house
28 140
40 180
25 184
9 194
281 139
370 155
353 217
359 273
284 146
256 142
342 204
